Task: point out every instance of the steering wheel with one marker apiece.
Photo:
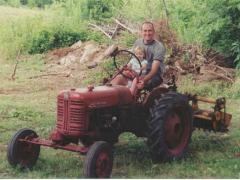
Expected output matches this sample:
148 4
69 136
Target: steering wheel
125 71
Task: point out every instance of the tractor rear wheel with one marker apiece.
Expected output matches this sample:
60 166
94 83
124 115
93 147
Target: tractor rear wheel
99 160
169 127
22 153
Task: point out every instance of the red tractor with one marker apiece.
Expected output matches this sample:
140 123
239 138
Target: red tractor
90 120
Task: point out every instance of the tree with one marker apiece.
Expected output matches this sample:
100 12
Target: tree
99 9
226 38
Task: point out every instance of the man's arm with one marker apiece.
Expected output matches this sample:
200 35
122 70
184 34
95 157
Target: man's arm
153 72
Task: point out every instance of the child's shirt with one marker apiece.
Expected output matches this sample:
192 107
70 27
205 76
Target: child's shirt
136 66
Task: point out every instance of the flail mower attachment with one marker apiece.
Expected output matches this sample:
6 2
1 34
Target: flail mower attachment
217 120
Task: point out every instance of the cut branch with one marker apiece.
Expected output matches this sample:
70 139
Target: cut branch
221 68
124 26
50 74
100 29
220 76
115 31
15 67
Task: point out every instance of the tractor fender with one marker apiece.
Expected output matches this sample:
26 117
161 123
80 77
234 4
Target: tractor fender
156 93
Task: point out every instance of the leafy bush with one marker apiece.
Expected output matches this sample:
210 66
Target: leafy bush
38 3
47 40
99 9
225 38
236 52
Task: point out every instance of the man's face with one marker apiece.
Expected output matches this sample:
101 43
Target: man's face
147 32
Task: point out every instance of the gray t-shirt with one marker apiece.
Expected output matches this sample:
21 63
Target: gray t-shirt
154 51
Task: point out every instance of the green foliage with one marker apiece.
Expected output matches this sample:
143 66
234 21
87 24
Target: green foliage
236 52
108 67
99 9
47 40
39 31
127 39
225 38
2 2
14 3
96 36
41 43
36 3
58 37
214 89
29 3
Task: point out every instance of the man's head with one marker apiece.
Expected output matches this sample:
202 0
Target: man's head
148 32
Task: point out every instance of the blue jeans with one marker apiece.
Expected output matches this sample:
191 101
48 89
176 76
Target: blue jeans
154 82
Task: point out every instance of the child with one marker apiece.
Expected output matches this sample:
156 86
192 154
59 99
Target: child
134 64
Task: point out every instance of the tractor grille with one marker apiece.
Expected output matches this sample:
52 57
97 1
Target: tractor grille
71 117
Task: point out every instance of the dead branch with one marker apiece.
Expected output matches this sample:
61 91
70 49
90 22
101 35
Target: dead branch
100 29
220 76
15 67
51 74
124 26
115 31
166 10
221 68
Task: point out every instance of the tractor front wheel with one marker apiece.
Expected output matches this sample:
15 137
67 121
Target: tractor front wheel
99 160
22 153
170 127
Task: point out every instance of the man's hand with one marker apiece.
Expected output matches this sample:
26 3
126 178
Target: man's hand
154 70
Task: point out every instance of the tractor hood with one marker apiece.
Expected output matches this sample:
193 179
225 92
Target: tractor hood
100 96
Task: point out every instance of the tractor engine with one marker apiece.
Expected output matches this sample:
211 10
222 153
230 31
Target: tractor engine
76 107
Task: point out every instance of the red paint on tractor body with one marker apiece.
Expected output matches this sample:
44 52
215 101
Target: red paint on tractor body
73 107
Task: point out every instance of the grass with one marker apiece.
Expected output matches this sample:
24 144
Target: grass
37 31
32 103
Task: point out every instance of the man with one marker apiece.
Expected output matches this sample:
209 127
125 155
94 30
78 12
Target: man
155 53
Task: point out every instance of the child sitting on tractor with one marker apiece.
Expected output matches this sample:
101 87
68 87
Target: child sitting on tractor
134 65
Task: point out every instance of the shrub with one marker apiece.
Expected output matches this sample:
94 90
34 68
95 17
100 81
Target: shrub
225 38
236 52
99 9
47 40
